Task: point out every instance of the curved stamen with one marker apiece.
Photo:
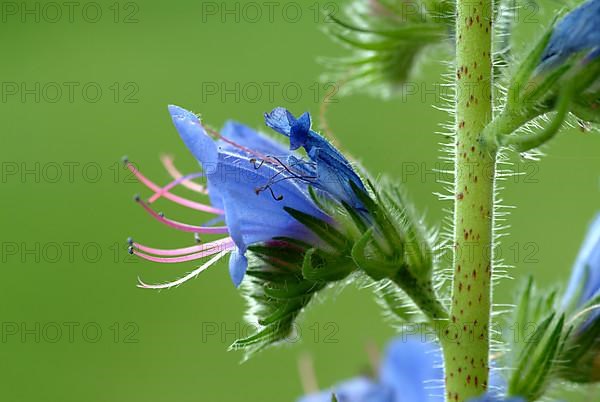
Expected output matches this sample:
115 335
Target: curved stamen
249 151
184 250
183 258
175 198
276 177
169 165
186 278
172 184
182 226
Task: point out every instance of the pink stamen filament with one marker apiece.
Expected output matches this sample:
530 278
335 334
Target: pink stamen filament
241 147
172 184
225 242
176 174
183 258
187 277
179 200
183 226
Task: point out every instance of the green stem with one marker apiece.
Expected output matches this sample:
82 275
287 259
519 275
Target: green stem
465 339
528 142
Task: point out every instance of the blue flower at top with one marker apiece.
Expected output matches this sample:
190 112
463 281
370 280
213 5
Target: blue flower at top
411 371
578 31
251 181
585 279
333 171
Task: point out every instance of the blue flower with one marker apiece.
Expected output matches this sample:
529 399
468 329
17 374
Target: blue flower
252 183
584 284
577 32
411 371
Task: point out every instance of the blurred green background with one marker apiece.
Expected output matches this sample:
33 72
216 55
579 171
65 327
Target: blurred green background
83 88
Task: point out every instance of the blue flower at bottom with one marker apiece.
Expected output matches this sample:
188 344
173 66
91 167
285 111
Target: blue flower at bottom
584 284
411 371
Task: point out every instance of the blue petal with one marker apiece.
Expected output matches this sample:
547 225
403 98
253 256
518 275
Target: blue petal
280 120
237 267
360 389
195 138
300 131
334 172
584 284
250 139
256 216
201 145
577 31
412 368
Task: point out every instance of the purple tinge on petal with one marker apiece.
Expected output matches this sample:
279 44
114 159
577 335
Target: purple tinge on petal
359 389
237 267
412 368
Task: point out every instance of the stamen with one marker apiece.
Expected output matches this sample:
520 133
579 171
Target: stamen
182 226
276 179
253 161
179 200
186 278
259 190
294 174
249 151
172 184
169 165
181 251
183 258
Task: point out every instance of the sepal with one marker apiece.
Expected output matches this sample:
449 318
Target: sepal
393 247
538 339
581 355
283 276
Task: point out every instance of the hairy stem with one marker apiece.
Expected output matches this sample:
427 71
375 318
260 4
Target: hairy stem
465 339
